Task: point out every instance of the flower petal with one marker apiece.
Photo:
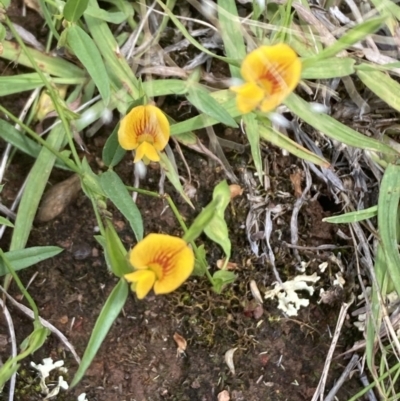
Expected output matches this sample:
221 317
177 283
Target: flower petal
170 258
144 280
278 57
146 150
127 133
182 267
272 102
248 97
144 124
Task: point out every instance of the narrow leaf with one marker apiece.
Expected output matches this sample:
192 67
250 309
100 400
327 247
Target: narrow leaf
108 314
333 128
383 86
353 217
112 151
23 258
201 99
116 191
88 54
74 9
388 217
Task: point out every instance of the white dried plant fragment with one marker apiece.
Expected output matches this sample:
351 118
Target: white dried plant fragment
285 293
44 372
229 359
340 281
323 266
62 384
48 365
82 397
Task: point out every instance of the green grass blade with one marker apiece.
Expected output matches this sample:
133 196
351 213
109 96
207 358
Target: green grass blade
74 9
332 67
23 258
51 65
383 86
231 33
47 17
117 17
108 314
36 183
333 128
120 73
353 217
14 137
26 82
283 142
116 191
388 220
354 35
253 136
88 54
203 120
203 101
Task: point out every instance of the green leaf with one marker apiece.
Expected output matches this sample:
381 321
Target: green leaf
231 31
6 222
217 231
74 9
56 66
333 128
88 54
353 217
253 136
112 151
22 142
388 221
201 221
201 99
332 67
108 314
112 17
173 177
116 254
35 185
2 32
352 36
23 258
116 191
383 86
284 142
222 278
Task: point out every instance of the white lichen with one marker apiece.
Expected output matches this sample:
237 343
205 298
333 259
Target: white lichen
285 293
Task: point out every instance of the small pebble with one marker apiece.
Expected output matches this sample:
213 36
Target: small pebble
81 251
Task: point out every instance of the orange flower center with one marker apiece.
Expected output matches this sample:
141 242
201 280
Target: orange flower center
161 265
146 129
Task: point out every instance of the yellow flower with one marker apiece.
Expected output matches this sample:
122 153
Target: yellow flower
161 262
146 129
271 73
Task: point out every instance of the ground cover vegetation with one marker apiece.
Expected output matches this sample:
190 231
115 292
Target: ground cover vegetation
199 200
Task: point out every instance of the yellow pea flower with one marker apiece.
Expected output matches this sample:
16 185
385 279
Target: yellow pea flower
161 262
146 130
270 73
